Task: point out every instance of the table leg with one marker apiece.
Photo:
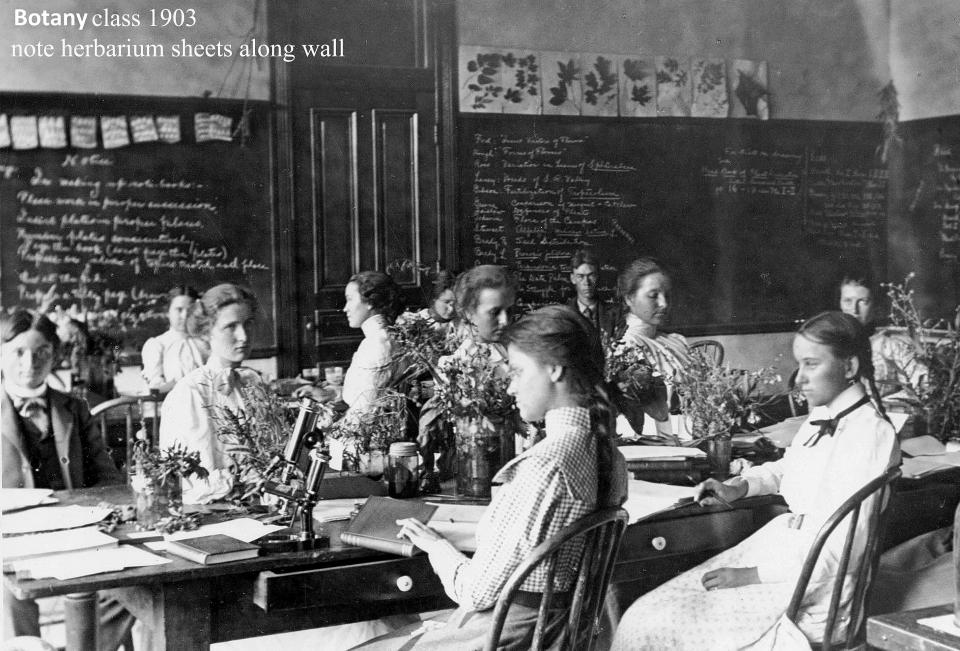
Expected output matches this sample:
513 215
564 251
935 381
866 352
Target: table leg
80 618
186 616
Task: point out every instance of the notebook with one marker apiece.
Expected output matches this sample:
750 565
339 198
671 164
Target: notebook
209 550
375 526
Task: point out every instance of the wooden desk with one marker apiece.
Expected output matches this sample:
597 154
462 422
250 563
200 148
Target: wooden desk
901 632
188 606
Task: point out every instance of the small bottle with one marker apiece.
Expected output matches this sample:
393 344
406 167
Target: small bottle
403 470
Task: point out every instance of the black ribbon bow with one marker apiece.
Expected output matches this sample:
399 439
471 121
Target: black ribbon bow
828 426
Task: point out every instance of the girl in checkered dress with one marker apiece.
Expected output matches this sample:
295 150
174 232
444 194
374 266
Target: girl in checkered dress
557 378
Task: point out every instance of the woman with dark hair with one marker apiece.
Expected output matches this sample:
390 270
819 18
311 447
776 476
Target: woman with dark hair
736 599
170 356
49 441
372 302
441 305
645 289
576 469
223 318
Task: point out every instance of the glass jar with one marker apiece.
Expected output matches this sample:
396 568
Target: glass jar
403 470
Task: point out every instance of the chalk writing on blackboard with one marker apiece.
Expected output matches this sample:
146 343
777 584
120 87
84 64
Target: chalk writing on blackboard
946 201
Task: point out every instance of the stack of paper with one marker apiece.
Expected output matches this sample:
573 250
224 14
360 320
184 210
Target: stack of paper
14 499
50 518
925 455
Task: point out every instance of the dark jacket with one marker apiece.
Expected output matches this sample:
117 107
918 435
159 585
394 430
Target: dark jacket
606 318
84 460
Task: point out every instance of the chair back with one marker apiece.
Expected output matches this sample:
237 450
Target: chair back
130 408
865 568
601 533
709 350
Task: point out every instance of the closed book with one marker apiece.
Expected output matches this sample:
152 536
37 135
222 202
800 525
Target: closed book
209 550
375 526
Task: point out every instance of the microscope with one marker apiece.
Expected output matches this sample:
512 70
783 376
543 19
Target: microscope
297 502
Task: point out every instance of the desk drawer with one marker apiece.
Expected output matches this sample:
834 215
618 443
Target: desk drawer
707 532
392 580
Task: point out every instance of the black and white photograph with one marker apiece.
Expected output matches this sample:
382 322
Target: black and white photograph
609 325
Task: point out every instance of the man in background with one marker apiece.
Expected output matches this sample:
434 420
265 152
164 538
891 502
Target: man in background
584 275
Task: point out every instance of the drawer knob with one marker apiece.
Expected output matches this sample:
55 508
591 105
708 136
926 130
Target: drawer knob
404 583
659 543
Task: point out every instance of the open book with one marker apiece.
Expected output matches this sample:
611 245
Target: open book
375 526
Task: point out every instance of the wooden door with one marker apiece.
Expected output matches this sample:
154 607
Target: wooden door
364 158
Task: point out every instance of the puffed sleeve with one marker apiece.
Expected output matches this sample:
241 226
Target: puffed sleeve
152 357
184 419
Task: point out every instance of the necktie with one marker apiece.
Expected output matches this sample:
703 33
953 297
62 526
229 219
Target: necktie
35 410
828 426
588 314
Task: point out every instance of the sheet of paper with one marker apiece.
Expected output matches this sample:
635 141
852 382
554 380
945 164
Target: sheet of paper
17 547
920 446
245 529
645 498
942 623
914 467
50 518
635 452
13 499
898 420
86 563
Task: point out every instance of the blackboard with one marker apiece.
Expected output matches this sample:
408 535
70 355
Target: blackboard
756 220
925 212
115 228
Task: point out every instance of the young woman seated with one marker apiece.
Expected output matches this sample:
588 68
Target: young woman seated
440 309
736 599
223 318
575 470
49 441
173 354
645 289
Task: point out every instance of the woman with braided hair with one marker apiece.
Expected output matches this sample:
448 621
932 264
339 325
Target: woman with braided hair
736 599
573 471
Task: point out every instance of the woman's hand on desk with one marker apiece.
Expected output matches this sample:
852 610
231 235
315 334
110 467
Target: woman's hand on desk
711 491
419 534
730 577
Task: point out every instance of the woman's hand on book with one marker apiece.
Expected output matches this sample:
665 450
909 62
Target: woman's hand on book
419 534
711 491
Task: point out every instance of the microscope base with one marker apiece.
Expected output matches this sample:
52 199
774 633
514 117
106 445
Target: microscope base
277 543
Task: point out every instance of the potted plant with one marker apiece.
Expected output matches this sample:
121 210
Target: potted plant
366 435
472 393
924 356
718 400
156 481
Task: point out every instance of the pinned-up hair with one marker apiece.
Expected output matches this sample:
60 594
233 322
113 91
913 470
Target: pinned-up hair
203 312
381 292
471 282
630 278
182 290
846 337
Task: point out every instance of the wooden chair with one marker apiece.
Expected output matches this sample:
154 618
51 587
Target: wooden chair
880 487
132 411
709 349
601 533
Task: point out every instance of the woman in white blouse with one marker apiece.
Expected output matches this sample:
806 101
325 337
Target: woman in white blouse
372 302
170 356
736 600
645 289
223 317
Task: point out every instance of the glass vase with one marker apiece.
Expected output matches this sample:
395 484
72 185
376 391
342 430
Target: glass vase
156 499
719 452
483 445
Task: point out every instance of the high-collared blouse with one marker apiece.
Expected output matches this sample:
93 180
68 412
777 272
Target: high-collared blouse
815 479
189 417
371 367
670 350
171 356
546 488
